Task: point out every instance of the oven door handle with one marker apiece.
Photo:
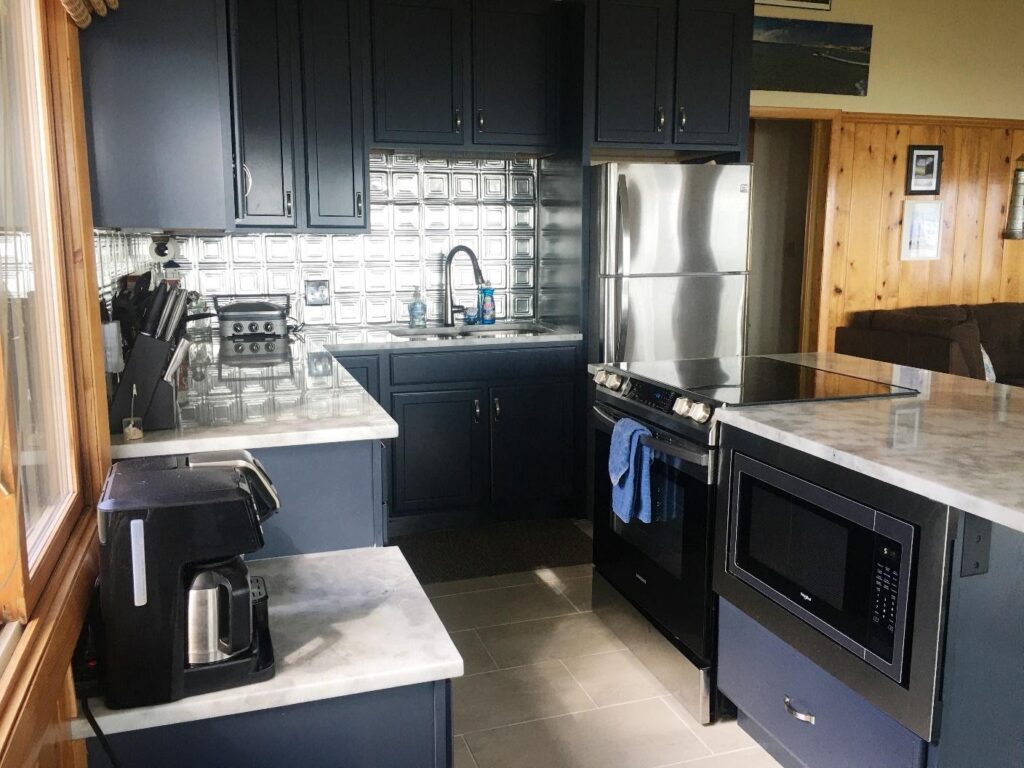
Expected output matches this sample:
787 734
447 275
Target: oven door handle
688 455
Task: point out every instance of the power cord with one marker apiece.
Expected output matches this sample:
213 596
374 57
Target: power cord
100 736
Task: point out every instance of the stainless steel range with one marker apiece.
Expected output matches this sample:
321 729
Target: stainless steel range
664 567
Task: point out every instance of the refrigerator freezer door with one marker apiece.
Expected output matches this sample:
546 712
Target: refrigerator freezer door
673 318
664 219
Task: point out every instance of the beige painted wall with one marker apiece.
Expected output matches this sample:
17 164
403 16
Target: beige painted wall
960 58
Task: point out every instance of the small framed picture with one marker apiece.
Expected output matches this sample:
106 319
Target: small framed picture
924 170
922 230
816 5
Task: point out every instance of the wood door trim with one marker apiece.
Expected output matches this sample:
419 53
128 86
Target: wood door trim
938 120
36 677
792 113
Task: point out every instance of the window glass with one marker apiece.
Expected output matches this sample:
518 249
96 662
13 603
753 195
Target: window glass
31 295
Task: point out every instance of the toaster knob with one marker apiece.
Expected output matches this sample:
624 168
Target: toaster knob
268 327
682 405
614 381
600 376
237 327
700 412
254 327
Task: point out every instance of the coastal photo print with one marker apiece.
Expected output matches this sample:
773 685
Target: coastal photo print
811 56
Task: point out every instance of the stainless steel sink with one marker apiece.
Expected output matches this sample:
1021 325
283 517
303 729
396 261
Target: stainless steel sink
496 331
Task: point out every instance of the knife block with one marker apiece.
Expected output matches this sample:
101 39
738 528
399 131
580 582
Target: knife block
154 398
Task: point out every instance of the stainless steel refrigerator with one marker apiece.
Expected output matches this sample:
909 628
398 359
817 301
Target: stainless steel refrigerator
673 260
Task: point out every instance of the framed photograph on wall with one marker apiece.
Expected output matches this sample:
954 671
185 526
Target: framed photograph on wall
924 169
922 230
817 5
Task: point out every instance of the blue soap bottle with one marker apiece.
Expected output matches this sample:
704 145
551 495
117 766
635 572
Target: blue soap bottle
486 304
417 311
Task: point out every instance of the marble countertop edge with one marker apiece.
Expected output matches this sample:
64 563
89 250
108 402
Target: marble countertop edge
237 701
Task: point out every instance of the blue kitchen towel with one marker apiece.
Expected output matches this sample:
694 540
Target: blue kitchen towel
629 468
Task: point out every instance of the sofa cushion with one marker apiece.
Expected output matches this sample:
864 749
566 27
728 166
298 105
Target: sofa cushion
1002 333
952 323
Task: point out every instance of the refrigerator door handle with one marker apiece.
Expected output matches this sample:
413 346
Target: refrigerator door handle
622 257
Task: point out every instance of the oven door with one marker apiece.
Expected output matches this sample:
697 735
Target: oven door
662 567
839 565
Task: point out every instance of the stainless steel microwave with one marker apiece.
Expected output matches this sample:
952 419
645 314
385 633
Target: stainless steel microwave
843 567
851 571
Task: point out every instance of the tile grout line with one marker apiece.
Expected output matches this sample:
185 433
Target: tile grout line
538 662
464 734
487 650
573 612
697 760
585 691
538 581
685 724
468 749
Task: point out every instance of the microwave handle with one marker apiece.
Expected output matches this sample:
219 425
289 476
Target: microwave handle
669 449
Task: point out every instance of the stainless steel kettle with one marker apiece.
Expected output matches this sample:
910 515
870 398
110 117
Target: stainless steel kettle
219 612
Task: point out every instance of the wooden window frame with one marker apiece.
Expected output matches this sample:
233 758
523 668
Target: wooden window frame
36 691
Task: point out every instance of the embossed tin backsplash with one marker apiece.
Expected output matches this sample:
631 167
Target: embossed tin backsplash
420 207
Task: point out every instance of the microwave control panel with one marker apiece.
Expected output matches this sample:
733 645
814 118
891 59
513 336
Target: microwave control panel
885 589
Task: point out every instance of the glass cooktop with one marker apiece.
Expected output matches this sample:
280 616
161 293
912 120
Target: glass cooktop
738 381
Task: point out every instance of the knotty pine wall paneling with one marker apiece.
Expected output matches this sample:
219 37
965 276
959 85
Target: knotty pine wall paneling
862 267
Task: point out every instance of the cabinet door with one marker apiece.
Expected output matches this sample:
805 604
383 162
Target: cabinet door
634 70
440 456
419 71
262 35
515 73
334 127
531 449
712 71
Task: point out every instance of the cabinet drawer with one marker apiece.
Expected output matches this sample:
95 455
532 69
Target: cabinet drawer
503 365
758 671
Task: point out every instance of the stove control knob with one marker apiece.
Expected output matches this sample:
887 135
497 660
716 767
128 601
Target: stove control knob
237 327
614 381
682 405
254 347
239 347
268 327
700 412
600 376
254 327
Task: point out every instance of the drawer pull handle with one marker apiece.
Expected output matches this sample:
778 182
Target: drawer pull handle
476 411
803 717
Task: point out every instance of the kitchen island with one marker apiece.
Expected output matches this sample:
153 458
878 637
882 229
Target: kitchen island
301 413
362 670
960 443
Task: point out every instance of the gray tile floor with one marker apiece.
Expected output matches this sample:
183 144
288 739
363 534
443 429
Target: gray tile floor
548 685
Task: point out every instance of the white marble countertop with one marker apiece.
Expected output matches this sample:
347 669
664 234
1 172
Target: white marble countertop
959 442
342 623
382 339
306 397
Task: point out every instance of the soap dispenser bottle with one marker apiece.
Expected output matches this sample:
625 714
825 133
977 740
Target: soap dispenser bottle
486 304
417 311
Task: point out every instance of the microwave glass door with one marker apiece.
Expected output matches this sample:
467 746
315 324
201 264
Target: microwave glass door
829 559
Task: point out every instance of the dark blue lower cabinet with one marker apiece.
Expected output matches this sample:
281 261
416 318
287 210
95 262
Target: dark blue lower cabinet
778 691
407 727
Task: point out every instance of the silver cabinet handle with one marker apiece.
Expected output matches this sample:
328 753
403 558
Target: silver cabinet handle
682 118
287 203
248 180
661 119
359 204
458 120
480 119
803 717
476 411
497 409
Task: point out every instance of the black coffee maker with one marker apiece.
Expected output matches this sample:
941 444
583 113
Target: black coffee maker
179 614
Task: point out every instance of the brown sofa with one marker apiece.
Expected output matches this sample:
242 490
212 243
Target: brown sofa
946 338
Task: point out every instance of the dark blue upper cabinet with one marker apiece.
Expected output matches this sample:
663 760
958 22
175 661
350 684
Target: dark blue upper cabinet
515 73
420 67
713 47
671 74
334 126
158 116
263 33
634 70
